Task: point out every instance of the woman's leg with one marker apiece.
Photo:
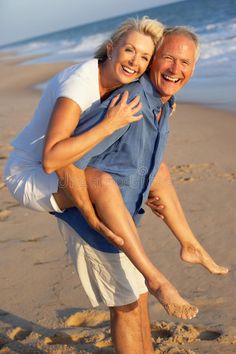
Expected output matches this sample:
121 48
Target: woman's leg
191 250
73 192
110 207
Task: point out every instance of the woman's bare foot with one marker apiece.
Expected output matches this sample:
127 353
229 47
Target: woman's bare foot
197 255
172 302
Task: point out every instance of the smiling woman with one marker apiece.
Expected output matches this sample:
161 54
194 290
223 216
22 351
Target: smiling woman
127 60
121 59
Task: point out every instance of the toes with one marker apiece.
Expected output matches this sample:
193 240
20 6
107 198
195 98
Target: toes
221 270
185 312
225 270
190 312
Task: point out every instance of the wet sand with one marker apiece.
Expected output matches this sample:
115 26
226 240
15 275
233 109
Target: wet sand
43 306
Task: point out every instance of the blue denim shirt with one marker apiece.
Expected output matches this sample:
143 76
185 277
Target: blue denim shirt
131 155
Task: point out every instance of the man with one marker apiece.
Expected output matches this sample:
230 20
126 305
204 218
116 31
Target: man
172 67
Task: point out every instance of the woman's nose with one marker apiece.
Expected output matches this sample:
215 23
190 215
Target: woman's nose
134 60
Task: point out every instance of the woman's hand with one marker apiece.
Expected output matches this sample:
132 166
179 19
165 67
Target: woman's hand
120 113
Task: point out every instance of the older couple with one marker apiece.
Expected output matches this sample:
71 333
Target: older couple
112 162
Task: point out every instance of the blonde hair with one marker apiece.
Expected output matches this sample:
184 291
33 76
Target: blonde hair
145 26
181 30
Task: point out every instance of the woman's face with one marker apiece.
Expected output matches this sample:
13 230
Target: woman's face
130 57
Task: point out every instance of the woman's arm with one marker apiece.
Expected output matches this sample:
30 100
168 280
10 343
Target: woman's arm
61 149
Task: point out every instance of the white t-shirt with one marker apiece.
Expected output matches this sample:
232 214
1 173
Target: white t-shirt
79 83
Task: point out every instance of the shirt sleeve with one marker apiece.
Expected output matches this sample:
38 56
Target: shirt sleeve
81 85
94 117
100 148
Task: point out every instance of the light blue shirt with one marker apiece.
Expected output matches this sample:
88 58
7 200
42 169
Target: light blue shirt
131 155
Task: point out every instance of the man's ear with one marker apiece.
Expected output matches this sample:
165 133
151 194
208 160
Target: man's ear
193 70
109 50
152 59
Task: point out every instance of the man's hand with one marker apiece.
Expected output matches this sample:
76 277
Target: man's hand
156 206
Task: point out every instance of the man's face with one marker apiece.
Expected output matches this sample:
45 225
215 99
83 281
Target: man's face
173 65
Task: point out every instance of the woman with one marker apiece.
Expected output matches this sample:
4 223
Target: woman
126 56
69 94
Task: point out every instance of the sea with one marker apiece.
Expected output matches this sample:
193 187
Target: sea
214 81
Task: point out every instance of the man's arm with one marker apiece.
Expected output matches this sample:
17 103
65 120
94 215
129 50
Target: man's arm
172 211
174 217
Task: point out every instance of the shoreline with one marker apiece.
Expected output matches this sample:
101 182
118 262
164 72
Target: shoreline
59 65
40 290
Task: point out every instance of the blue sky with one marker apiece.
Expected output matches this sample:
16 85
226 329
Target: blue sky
21 19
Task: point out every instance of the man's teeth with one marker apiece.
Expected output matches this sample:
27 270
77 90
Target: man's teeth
172 79
128 70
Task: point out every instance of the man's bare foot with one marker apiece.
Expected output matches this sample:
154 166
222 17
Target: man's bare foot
197 255
173 303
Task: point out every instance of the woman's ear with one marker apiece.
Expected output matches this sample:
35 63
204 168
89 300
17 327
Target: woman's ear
109 50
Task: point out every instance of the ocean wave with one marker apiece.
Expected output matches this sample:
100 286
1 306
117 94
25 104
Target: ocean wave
70 50
86 44
214 22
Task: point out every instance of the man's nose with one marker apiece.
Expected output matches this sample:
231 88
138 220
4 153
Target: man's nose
175 67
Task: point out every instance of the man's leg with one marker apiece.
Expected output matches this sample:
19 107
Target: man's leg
111 278
146 328
191 249
130 328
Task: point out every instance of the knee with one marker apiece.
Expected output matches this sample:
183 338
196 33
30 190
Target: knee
164 173
106 181
161 179
101 182
130 311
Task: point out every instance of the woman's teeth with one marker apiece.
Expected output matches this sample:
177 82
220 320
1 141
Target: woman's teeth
128 70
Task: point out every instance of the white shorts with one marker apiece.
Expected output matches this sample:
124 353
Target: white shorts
29 184
108 278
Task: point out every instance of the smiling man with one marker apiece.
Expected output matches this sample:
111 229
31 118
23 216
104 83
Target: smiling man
133 162
174 62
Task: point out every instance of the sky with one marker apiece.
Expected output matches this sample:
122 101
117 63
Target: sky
22 19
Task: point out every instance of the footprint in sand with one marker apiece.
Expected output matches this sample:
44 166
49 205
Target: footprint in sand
79 331
19 333
4 214
197 172
169 334
89 318
229 176
167 337
99 338
209 335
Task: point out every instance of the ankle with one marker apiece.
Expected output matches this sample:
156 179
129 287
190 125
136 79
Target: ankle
156 283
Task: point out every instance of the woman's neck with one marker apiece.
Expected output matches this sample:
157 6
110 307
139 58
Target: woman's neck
106 84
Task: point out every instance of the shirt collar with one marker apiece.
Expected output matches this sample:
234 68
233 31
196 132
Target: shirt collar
152 94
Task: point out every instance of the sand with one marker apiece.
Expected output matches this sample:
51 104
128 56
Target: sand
43 306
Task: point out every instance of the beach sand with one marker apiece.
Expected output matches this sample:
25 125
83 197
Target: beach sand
43 306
